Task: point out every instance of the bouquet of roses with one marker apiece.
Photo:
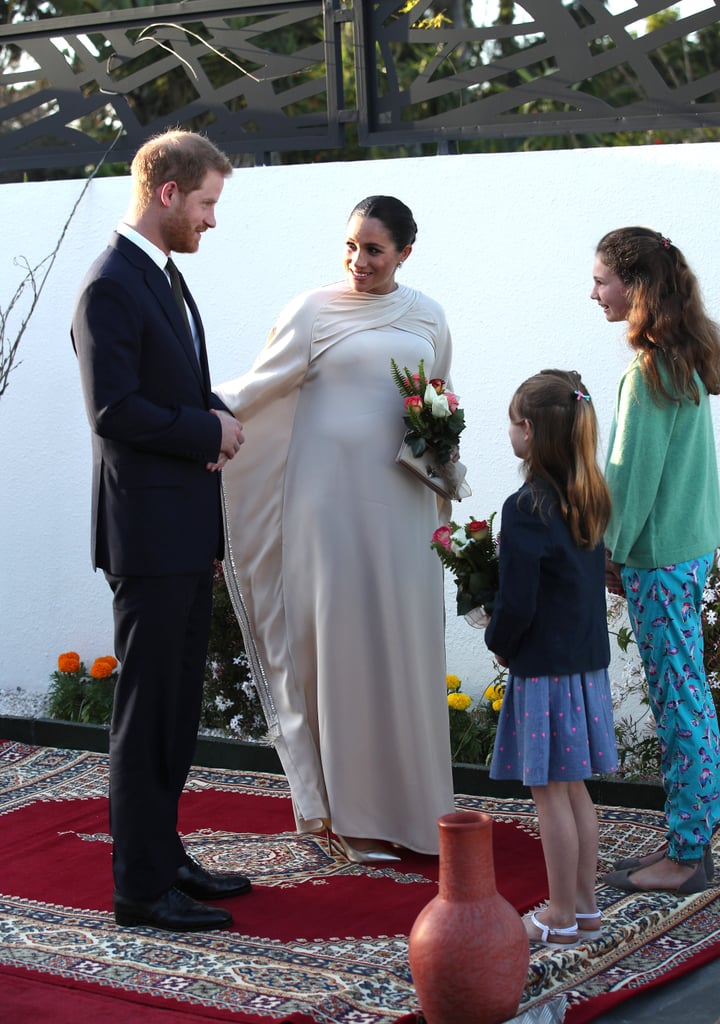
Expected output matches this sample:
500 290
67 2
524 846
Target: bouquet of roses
434 422
471 554
432 414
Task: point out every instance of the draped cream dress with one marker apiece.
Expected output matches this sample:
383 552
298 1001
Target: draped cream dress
337 592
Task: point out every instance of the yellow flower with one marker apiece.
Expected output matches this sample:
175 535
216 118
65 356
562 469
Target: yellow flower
453 682
497 704
494 692
459 701
69 662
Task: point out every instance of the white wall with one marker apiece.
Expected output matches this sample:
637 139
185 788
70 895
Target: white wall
506 243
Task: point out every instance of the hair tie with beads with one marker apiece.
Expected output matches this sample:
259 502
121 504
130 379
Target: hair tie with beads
579 395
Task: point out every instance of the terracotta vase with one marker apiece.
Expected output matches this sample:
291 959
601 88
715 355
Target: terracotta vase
468 949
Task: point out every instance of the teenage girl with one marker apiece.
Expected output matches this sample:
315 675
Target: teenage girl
549 627
664 529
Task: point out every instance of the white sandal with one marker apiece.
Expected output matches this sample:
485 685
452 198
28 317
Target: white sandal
555 938
587 931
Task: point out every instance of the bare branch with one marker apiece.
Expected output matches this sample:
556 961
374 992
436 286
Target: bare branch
34 281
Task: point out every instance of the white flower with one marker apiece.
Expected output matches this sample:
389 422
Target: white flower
459 540
440 408
711 616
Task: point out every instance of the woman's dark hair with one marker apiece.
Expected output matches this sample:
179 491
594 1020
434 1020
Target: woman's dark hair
563 450
666 317
396 216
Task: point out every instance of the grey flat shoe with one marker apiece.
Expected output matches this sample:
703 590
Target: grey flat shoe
633 863
697 882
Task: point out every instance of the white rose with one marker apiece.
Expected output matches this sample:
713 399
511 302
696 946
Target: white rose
458 541
440 408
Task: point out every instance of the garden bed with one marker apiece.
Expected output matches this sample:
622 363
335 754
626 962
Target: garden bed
240 755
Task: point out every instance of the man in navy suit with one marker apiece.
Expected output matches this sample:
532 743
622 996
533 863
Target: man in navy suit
160 437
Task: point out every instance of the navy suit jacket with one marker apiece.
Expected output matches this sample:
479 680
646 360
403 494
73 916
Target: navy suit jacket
549 616
156 508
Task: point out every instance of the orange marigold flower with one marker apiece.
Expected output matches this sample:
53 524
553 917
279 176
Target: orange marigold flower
101 668
112 662
69 662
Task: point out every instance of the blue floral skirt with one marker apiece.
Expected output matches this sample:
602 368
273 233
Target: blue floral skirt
555 729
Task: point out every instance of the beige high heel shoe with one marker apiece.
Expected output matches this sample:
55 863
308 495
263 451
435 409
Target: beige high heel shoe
375 854
324 833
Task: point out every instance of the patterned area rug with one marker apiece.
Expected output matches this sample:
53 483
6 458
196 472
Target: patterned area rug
318 940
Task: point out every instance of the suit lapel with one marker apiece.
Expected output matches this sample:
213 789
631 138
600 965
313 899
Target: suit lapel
202 350
159 284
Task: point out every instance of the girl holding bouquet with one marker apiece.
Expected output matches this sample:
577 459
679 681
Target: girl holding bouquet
549 628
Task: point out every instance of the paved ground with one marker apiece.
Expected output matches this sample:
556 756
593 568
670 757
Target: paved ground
694 998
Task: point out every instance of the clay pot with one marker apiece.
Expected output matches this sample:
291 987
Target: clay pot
468 949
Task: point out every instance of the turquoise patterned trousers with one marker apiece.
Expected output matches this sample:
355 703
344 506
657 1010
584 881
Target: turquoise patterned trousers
665 608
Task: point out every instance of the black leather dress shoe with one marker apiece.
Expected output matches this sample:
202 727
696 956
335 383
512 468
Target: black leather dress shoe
173 912
195 881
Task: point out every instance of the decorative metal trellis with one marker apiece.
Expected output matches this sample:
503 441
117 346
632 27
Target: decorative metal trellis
291 75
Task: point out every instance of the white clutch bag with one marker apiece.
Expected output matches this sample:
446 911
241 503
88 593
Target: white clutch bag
446 478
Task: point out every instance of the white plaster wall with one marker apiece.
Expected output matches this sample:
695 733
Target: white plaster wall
506 243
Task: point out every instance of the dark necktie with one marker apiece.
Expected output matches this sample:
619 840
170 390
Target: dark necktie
178 293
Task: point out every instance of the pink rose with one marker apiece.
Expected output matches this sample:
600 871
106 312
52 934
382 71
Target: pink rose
477 530
442 536
452 401
439 384
414 402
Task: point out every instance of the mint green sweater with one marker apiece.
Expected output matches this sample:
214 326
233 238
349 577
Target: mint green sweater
663 477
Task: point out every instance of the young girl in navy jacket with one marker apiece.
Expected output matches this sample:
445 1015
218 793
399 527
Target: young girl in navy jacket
549 628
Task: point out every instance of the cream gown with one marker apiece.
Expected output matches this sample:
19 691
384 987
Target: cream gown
328 561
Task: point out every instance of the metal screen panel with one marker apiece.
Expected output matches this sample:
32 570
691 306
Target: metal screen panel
254 77
261 78
559 68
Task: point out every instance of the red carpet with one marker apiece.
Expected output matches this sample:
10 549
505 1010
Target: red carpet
318 941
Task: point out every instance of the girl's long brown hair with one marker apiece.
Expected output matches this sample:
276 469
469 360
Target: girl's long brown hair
563 450
667 321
